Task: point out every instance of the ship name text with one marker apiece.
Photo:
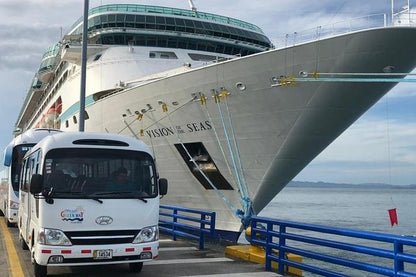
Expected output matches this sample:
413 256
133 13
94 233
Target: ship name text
191 127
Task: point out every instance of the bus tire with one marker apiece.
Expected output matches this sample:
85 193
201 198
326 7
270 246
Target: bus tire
135 267
23 244
8 223
40 270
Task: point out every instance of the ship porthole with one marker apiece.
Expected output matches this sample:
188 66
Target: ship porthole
240 86
388 69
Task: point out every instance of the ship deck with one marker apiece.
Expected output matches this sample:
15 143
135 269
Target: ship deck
176 258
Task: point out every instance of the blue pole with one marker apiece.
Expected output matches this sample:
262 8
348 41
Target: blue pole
282 243
175 220
398 264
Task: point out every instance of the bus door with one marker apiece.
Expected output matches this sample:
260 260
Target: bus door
26 197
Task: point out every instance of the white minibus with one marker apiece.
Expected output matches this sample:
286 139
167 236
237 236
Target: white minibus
90 199
10 174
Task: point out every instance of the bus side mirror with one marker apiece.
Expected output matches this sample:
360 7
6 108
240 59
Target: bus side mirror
36 184
163 186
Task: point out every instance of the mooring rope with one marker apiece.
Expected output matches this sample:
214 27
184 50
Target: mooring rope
191 159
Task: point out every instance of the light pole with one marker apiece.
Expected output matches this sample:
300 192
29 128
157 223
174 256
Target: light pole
83 68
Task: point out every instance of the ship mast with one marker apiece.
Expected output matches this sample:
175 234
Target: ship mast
192 5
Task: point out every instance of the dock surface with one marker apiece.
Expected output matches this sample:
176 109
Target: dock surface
176 258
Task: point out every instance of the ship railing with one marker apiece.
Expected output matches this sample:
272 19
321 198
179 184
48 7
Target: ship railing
187 222
344 27
333 251
169 11
404 18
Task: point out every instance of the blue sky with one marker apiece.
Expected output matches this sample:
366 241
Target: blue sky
379 148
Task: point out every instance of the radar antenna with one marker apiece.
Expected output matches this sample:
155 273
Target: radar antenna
192 5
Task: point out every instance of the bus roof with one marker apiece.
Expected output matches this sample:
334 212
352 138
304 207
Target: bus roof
31 136
90 140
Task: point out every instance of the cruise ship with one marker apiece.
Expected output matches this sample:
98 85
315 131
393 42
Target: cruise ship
231 117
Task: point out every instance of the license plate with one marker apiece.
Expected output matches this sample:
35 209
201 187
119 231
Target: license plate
103 254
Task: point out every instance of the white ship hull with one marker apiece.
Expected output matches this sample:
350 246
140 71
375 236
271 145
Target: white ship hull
278 129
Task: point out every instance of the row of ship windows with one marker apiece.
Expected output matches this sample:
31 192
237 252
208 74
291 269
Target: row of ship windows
193 56
75 120
174 42
174 24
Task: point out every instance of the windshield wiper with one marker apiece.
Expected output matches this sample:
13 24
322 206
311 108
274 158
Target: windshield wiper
51 192
86 195
141 198
112 192
120 193
96 199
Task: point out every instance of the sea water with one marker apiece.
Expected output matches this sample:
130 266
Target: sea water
355 208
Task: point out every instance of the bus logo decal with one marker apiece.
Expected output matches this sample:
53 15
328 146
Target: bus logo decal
73 215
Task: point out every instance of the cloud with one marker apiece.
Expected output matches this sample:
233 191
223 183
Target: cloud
22 45
405 89
374 138
369 151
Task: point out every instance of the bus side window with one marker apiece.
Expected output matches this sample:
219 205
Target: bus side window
37 159
28 169
25 179
22 174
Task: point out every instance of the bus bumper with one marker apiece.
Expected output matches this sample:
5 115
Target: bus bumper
78 255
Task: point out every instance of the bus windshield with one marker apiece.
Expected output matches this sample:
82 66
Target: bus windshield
104 173
19 152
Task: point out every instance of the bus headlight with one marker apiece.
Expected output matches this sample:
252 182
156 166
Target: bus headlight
147 234
52 237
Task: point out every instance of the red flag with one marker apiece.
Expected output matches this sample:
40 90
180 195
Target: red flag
393 217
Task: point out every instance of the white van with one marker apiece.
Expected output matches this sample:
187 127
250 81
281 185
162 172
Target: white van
10 175
90 199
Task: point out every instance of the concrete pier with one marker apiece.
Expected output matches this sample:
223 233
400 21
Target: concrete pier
176 258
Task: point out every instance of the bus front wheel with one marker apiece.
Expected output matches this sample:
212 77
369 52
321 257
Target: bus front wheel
136 267
8 223
23 244
40 270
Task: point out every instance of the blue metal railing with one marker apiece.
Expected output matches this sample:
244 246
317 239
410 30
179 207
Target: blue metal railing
186 222
278 242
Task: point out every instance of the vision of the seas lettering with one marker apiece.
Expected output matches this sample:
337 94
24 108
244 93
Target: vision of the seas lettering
199 126
191 127
160 132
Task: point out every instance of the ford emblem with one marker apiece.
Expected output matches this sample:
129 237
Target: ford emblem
104 220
